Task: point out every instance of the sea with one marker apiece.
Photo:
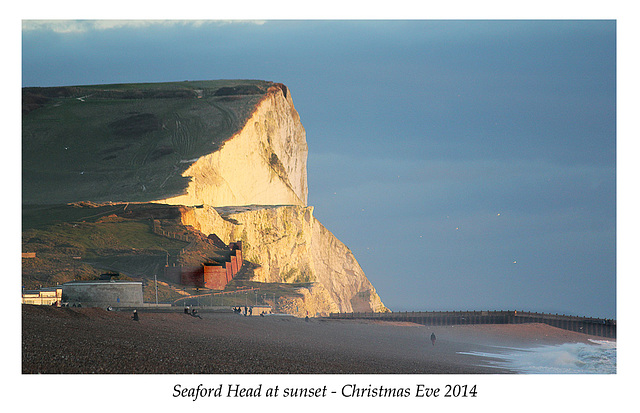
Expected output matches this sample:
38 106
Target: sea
596 357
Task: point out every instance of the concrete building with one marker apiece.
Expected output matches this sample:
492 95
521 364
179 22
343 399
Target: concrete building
43 296
103 293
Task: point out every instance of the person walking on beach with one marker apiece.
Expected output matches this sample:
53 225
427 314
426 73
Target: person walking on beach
433 339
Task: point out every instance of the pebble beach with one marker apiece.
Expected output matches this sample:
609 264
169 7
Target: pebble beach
96 341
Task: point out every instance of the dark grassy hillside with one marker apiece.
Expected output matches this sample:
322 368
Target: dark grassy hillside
125 142
81 241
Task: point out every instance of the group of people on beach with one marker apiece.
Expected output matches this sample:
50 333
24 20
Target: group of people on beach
192 312
247 310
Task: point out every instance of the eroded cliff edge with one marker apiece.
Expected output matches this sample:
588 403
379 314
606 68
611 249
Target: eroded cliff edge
254 189
263 163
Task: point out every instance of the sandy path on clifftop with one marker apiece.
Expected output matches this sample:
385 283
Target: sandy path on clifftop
69 340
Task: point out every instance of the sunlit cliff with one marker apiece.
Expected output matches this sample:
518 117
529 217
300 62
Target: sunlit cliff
254 189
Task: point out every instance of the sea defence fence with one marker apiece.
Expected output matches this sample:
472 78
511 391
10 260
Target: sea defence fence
593 326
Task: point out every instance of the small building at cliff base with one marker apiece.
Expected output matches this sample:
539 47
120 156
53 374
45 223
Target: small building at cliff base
103 293
43 296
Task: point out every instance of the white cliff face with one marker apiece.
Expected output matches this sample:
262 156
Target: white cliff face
264 163
292 246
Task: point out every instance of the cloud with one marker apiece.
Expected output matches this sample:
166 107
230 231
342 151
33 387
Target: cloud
84 26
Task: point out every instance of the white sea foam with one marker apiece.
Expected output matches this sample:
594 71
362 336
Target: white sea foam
598 357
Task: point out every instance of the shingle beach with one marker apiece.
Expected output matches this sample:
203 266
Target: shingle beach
93 340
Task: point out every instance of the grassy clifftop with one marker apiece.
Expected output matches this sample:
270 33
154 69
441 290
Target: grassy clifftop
126 142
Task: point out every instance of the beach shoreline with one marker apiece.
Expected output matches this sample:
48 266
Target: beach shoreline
96 341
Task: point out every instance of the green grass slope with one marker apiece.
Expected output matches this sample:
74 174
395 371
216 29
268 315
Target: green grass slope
126 142
82 241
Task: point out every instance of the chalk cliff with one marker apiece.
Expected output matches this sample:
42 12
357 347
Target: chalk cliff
254 189
263 163
292 246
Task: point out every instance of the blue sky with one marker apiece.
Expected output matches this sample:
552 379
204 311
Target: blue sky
469 165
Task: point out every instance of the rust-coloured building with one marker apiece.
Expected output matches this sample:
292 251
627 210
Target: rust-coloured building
214 275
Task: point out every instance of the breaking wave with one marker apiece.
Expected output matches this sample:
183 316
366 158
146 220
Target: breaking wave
596 357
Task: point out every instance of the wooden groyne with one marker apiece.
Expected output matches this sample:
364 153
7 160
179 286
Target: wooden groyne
587 325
